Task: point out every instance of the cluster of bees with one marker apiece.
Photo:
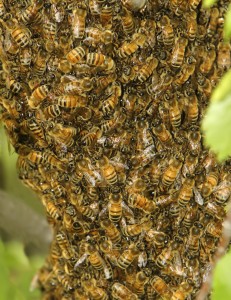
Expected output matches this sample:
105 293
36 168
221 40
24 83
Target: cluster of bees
102 100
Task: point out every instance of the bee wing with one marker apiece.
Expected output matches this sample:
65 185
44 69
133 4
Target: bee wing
80 260
198 198
103 211
142 259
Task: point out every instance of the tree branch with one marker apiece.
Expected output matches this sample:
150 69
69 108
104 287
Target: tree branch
23 223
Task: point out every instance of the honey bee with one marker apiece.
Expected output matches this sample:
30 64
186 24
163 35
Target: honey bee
171 172
186 191
93 291
110 252
91 175
94 257
223 56
63 244
147 69
158 238
139 283
76 55
101 61
192 107
111 231
160 287
30 14
95 36
77 87
64 280
129 48
38 96
167 31
128 74
39 66
128 22
23 166
21 35
109 105
223 190
193 4
194 137
115 207
80 294
144 137
51 111
70 101
191 25
186 71
135 229
103 82
148 27
182 291
89 211
208 244
141 202
90 138
36 131
193 242
94 6
106 14
193 268
57 12
127 257
50 29
204 86
208 60
63 134
215 210
166 255
191 161
174 113
52 209
108 171
134 5
190 216
78 22
163 134
210 183
213 21
178 52
214 228
25 57
120 291
36 158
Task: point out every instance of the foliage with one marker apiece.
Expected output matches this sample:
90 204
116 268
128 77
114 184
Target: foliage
227 25
217 122
221 282
217 129
17 271
208 3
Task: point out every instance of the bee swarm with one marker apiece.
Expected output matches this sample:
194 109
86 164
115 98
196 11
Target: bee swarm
102 100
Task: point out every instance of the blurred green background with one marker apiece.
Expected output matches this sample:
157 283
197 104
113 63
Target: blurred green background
20 255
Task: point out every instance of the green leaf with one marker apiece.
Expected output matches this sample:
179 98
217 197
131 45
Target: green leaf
221 279
217 128
208 3
223 89
227 25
